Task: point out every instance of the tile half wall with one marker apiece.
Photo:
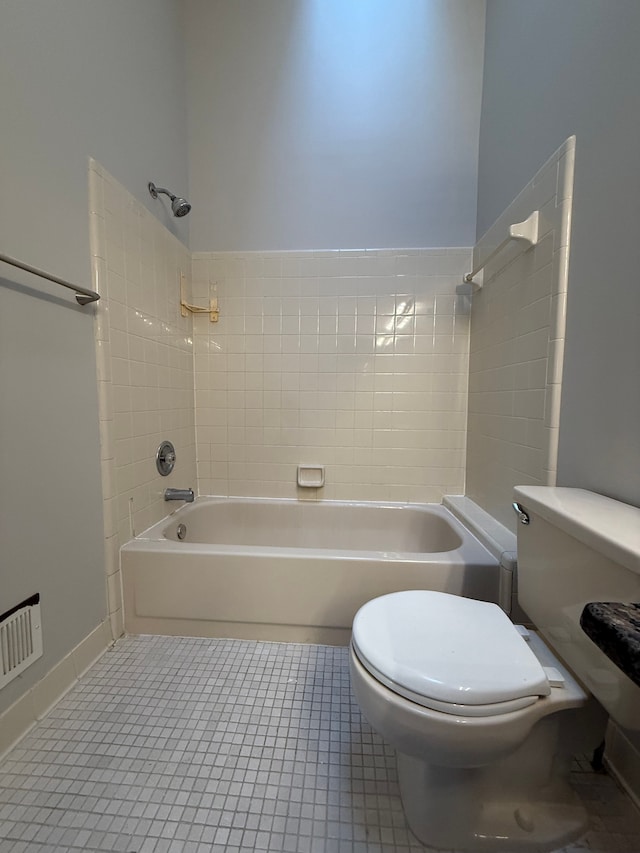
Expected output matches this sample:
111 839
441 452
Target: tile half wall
145 366
517 345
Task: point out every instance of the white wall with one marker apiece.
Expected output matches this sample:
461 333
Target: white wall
551 70
79 78
324 124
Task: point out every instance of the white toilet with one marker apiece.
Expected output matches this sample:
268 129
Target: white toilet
484 716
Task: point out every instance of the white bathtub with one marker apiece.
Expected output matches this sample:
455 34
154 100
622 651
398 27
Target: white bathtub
292 570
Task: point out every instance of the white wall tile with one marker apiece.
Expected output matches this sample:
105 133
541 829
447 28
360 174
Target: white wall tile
145 364
297 337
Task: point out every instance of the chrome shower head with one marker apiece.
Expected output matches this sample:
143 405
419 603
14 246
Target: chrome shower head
179 206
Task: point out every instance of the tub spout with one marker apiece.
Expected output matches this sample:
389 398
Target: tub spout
179 495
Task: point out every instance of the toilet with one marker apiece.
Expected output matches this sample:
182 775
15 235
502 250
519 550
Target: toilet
486 715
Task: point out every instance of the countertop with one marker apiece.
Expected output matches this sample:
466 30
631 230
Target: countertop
615 629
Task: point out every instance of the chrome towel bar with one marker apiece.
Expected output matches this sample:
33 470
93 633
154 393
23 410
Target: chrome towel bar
84 297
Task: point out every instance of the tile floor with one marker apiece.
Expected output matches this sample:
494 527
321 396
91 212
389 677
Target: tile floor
178 745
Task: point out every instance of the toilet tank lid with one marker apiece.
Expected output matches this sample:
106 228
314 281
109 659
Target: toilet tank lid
607 526
445 647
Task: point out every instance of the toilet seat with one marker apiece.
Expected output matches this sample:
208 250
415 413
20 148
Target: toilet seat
448 653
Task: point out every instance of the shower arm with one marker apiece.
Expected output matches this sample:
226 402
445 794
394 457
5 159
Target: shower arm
155 191
179 206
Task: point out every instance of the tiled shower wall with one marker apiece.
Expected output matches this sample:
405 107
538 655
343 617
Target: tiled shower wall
352 360
145 365
517 346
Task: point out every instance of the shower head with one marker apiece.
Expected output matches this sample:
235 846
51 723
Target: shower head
179 206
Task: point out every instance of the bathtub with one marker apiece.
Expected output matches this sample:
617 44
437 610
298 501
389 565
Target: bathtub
292 570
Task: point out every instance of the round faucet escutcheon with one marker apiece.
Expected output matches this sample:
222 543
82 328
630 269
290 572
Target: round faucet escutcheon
165 458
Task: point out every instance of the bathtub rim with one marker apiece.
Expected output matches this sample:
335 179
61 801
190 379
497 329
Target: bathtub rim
471 550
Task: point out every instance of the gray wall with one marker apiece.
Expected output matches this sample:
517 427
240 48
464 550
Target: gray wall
79 78
553 69
333 124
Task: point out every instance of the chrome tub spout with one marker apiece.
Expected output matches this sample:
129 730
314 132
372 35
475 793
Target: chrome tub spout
179 495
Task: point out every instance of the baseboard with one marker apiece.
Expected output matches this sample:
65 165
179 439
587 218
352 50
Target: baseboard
622 757
36 703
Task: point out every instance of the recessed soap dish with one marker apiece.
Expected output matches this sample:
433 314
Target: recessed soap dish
311 476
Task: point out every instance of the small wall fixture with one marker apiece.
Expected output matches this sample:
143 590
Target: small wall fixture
186 309
525 233
165 458
179 206
311 476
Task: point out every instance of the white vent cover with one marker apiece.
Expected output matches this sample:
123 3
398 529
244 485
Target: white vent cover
20 639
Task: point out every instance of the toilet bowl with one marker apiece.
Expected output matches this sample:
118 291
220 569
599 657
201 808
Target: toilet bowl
466 686
483 714
472 705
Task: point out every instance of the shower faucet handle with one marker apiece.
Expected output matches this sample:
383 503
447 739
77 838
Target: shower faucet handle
165 458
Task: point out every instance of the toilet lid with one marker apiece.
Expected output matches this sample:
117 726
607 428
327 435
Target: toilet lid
443 650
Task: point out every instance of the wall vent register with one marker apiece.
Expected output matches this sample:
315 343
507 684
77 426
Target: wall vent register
20 638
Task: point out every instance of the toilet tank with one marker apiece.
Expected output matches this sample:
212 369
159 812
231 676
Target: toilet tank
580 547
